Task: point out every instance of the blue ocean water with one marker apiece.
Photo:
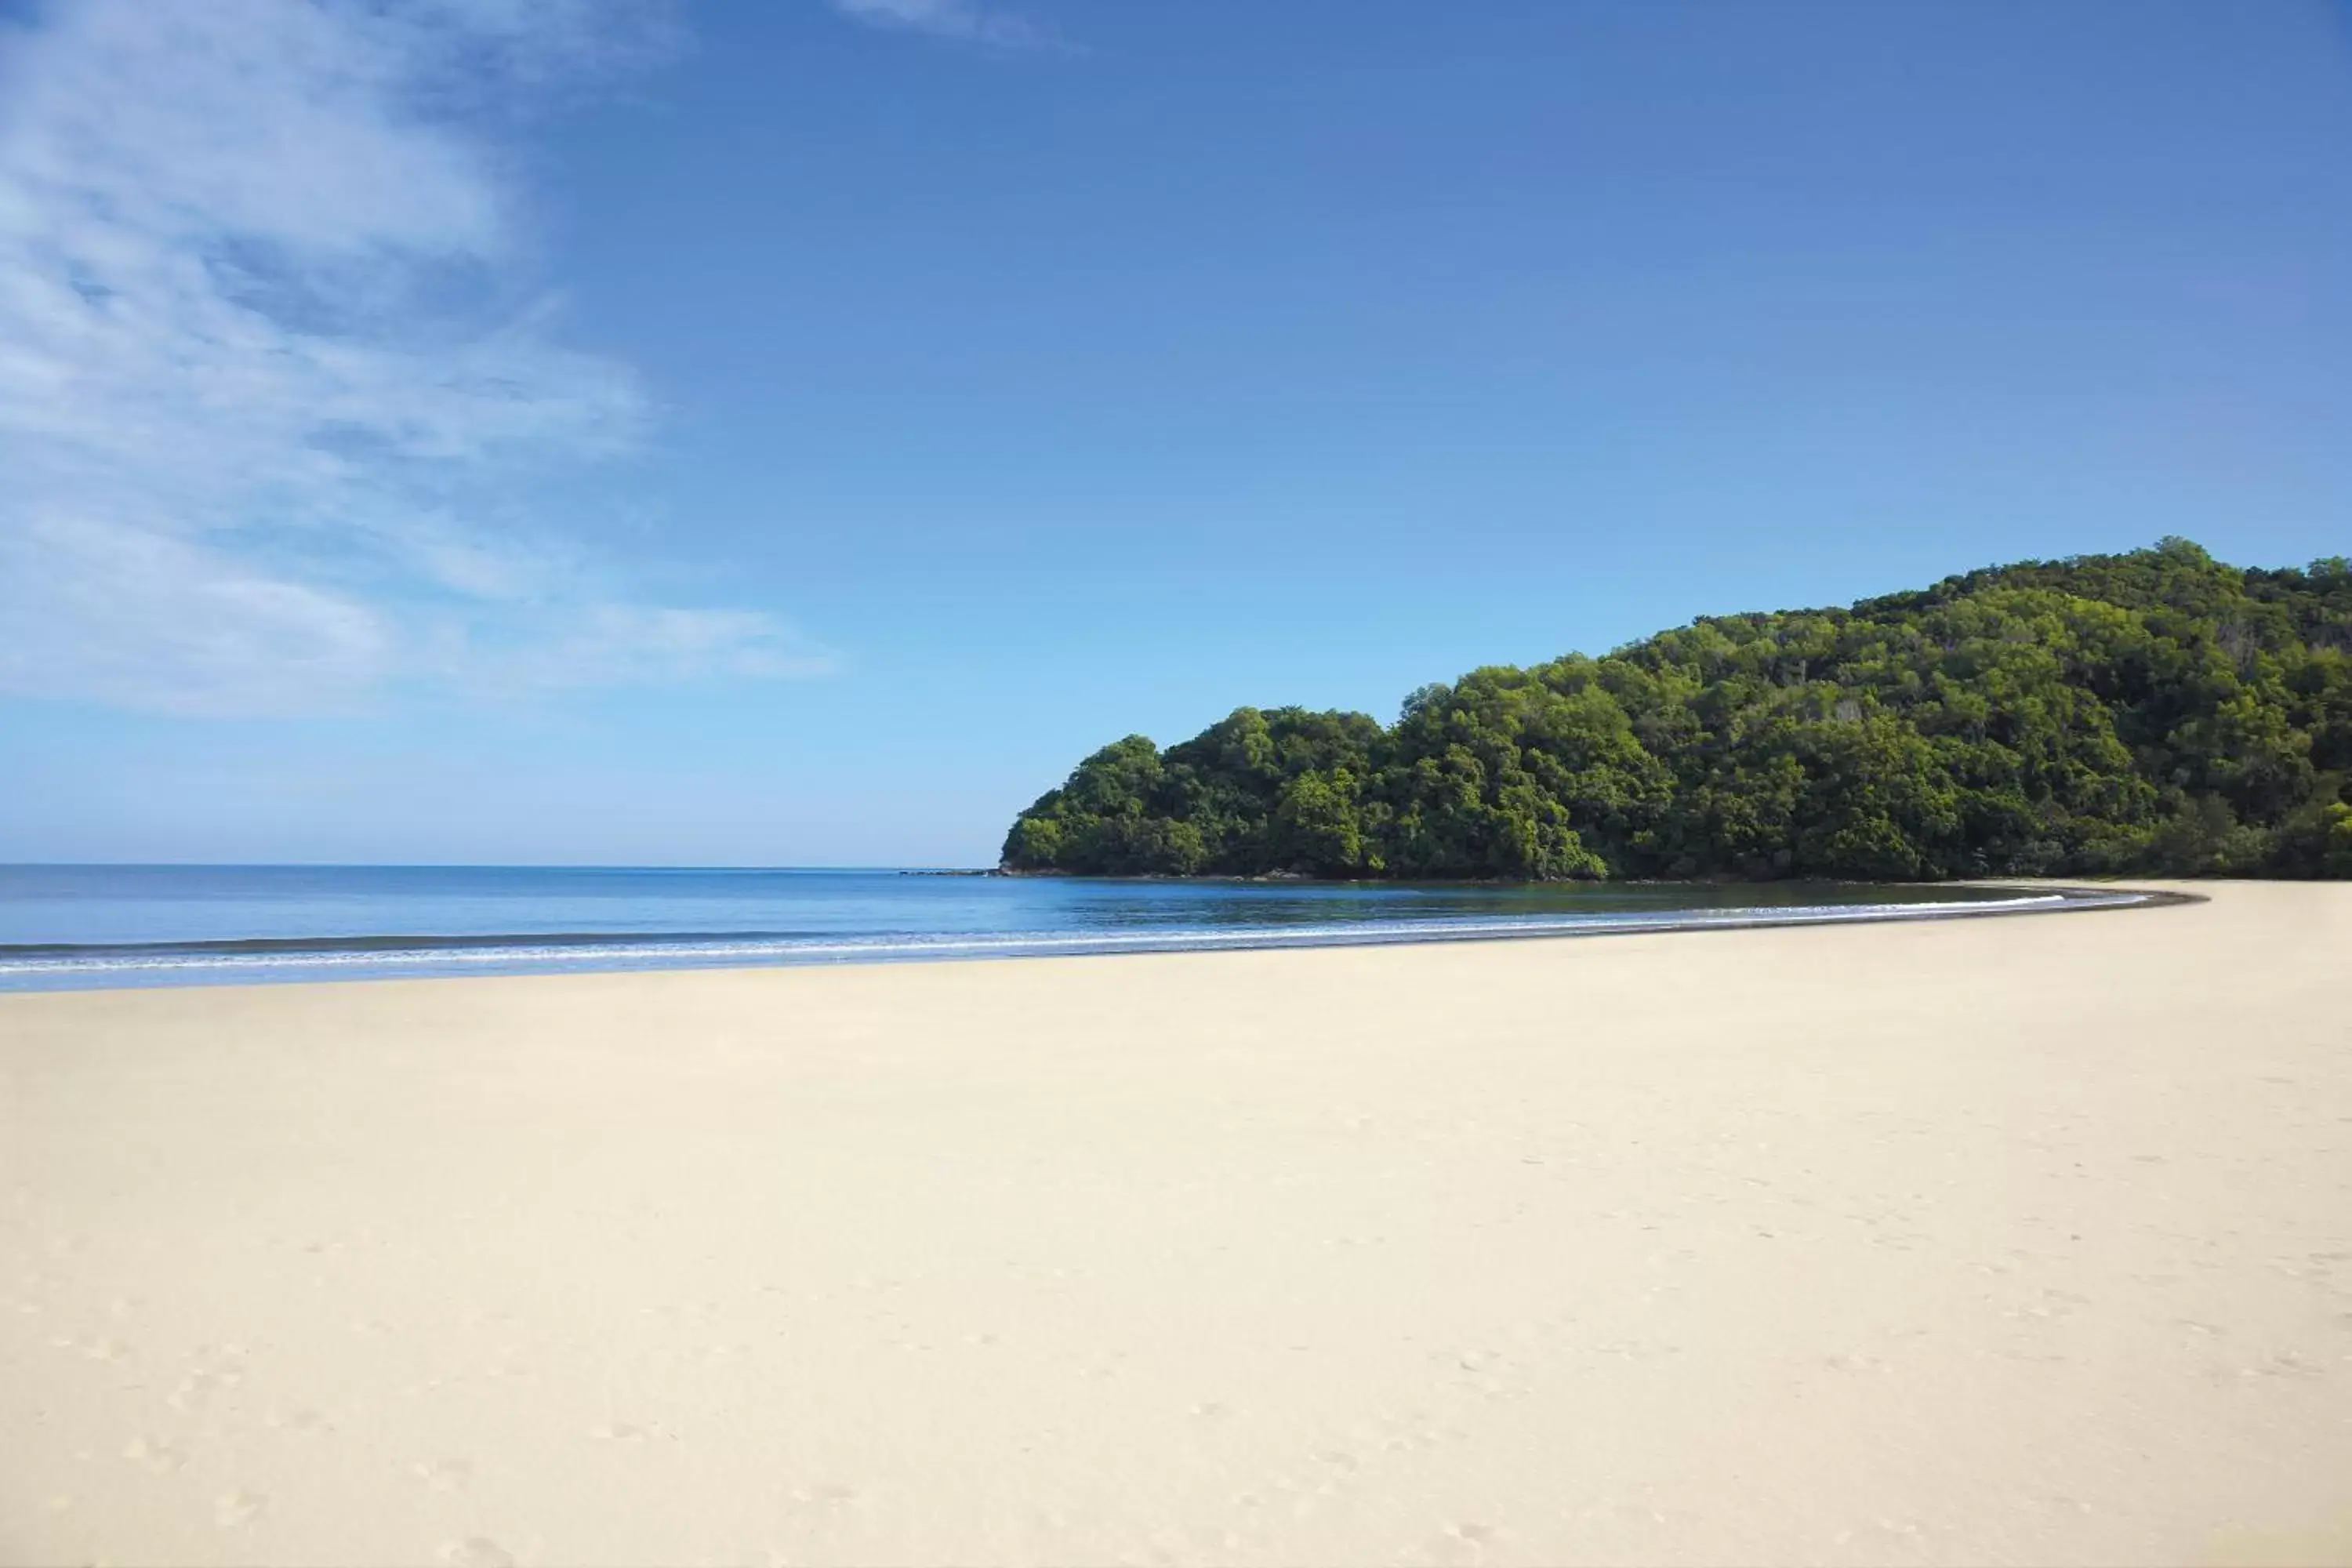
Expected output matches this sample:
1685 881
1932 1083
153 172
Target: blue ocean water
64 927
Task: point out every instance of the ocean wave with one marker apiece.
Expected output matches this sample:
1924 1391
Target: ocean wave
354 956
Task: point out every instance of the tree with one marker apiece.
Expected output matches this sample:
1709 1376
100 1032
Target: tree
2156 710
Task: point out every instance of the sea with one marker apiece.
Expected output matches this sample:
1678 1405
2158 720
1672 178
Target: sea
79 927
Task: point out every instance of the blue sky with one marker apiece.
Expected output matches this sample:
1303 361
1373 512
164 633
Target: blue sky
794 431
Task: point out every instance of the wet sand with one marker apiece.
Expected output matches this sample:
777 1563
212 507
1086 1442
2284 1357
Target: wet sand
2022 1239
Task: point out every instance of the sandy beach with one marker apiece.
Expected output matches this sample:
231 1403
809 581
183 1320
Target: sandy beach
2020 1239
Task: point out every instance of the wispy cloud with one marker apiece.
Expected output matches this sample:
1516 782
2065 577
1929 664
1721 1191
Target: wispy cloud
147 618
961 20
274 389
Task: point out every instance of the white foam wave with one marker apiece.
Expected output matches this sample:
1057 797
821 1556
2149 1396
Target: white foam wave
646 952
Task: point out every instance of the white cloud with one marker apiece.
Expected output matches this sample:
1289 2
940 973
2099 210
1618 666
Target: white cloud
964 20
614 643
151 620
271 389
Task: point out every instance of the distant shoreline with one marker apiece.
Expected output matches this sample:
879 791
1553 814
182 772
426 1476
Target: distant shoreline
360 957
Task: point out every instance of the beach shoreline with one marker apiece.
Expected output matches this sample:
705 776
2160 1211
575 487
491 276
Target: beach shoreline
1935 1241
269 951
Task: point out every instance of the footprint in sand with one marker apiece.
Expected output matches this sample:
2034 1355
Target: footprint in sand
95 1349
1408 1439
155 1453
212 1368
1462 1543
820 1498
477 1552
231 1510
444 1475
198 1387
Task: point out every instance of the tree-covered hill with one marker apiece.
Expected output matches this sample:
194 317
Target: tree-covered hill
2151 713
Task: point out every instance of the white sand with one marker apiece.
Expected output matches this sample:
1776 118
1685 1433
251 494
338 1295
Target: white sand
2018 1240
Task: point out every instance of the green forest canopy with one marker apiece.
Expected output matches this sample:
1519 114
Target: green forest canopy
2151 713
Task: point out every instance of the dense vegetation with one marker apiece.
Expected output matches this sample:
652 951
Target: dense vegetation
2151 713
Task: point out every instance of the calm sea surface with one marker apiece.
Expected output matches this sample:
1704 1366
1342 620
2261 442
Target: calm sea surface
79 926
